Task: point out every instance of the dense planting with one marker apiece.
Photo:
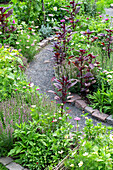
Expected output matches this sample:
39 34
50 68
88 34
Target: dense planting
34 130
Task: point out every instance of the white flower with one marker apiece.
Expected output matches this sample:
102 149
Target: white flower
33 106
109 76
17 42
47 20
55 120
55 8
27 46
0 32
72 165
31 84
111 137
85 154
60 152
80 164
60 118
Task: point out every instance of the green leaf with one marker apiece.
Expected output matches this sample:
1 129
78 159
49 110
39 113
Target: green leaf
11 76
12 151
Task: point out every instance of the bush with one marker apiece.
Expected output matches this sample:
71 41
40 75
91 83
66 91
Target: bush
10 70
43 141
95 150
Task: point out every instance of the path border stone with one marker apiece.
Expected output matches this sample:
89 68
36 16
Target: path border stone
81 104
10 164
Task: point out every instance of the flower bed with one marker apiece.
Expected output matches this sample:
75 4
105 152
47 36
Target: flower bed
34 130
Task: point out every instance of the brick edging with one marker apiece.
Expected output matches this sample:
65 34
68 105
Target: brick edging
81 104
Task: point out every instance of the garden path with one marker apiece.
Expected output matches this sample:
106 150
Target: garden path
41 71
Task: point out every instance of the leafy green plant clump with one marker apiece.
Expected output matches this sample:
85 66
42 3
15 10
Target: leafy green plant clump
42 142
27 40
95 150
102 99
2 167
11 66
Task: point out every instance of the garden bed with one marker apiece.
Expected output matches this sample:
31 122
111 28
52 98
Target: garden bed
35 131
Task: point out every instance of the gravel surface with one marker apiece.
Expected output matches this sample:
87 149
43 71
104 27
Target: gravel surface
40 72
109 14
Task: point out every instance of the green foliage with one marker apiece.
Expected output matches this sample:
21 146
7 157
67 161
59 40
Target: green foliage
89 7
102 99
95 150
10 70
28 11
2 167
45 31
43 142
26 42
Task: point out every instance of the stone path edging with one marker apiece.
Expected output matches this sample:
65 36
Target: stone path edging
44 42
81 104
10 164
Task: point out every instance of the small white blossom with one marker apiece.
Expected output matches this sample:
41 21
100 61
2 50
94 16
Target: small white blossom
33 106
111 137
60 152
72 165
80 164
85 154
55 8
109 76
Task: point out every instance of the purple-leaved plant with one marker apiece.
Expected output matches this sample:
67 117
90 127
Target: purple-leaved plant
72 10
85 65
62 86
5 27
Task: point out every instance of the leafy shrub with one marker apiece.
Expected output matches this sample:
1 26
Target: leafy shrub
40 143
40 149
10 69
27 42
95 150
45 31
28 11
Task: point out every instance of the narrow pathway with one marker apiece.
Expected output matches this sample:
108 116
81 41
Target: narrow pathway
40 72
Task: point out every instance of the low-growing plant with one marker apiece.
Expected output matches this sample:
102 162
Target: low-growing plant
15 110
10 69
95 150
27 43
40 143
45 31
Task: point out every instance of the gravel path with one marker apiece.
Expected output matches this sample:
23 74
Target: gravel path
109 14
40 72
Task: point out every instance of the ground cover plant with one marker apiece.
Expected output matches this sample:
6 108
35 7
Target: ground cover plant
2 167
95 150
